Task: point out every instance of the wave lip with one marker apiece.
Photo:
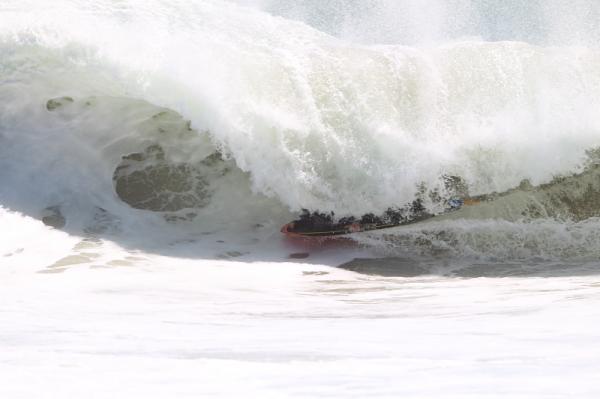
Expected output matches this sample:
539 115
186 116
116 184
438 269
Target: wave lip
293 117
324 124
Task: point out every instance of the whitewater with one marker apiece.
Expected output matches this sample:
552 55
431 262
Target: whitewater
150 151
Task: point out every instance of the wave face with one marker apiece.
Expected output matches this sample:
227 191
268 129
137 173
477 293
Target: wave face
202 107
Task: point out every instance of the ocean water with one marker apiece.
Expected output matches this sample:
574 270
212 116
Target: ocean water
151 150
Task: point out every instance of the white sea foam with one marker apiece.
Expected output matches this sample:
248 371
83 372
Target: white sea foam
317 122
170 277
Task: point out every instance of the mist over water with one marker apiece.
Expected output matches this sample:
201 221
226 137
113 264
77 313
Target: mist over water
429 22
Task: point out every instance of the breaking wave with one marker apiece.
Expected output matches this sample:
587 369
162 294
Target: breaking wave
216 113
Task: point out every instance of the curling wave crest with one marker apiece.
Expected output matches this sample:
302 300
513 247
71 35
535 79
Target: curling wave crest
219 107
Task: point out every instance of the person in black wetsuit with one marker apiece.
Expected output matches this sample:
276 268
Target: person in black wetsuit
456 191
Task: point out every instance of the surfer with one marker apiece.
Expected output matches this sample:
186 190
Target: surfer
316 223
324 224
